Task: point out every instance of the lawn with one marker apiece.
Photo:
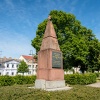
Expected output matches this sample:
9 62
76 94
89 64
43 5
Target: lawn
22 92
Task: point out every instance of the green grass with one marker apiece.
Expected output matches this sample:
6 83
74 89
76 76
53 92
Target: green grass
22 92
98 79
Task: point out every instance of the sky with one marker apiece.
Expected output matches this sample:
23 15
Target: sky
19 20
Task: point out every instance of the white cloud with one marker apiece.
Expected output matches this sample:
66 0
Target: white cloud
82 7
14 45
73 5
9 3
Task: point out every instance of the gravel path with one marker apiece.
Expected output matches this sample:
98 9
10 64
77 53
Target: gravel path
95 85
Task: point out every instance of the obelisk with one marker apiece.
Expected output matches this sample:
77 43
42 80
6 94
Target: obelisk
50 72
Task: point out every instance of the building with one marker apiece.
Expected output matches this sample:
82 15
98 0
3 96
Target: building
31 62
9 67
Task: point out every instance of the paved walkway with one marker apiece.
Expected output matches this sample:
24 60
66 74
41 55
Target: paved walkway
56 89
95 85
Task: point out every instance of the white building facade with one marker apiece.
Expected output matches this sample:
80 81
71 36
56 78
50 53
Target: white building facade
9 67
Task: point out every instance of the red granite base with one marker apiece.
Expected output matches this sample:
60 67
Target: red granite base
51 74
45 70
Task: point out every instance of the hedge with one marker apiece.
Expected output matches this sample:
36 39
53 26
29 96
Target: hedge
72 79
24 79
97 74
82 79
6 80
19 79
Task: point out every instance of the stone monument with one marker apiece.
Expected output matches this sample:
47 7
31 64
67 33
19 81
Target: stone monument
50 72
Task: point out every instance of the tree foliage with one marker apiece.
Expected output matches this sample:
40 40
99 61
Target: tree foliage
23 67
78 44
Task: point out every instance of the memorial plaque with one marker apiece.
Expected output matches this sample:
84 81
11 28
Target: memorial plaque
56 59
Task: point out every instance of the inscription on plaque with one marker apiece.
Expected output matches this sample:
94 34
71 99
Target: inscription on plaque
56 60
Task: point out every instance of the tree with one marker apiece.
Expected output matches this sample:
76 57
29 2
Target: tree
74 39
94 56
23 67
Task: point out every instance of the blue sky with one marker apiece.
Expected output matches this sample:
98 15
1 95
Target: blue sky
19 20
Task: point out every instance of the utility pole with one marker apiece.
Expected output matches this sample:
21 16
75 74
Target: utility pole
31 52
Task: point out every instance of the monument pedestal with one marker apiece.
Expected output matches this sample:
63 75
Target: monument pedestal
43 84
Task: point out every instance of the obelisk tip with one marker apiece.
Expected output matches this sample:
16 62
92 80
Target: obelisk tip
49 17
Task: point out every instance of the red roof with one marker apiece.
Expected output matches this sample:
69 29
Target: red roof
28 57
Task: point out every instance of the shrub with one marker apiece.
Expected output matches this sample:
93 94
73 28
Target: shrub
97 74
19 79
80 78
6 80
70 79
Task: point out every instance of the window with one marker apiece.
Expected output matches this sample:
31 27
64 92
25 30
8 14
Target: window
33 66
7 73
12 65
36 66
29 72
29 66
7 65
17 66
12 73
